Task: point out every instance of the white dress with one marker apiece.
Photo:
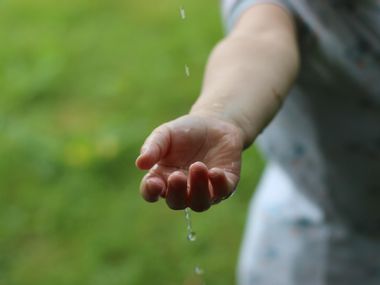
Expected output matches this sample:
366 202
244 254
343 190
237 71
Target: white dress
315 219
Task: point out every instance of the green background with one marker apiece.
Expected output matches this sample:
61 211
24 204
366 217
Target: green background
82 83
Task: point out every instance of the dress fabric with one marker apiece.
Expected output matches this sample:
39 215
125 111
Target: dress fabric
316 216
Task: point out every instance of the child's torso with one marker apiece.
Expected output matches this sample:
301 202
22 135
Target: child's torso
327 136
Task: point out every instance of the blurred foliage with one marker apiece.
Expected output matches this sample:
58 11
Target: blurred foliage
82 83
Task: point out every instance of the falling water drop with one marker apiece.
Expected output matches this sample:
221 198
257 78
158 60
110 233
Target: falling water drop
182 12
198 270
191 235
187 70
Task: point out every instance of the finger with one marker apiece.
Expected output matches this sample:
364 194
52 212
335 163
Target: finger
199 194
155 148
176 196
220 185
152 187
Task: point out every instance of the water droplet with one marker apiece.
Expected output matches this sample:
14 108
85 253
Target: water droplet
192 236
187 70
198 270
182 12
187 214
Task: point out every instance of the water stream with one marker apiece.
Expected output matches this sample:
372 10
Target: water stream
191 235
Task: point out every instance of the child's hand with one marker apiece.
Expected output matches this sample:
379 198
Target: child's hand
193 161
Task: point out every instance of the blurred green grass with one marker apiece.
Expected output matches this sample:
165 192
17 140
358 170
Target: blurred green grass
82 83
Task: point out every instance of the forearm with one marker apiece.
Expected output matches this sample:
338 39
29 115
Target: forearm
249 74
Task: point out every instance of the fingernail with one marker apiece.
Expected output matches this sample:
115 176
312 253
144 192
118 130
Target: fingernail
137 159
144 150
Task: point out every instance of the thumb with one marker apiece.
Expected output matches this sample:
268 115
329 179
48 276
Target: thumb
154 148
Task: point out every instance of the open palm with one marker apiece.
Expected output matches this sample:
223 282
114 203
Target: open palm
193 161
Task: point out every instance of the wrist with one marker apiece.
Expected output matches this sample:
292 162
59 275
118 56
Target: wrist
218 112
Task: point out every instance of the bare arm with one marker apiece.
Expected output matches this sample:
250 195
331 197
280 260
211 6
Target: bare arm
194 161
250 72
